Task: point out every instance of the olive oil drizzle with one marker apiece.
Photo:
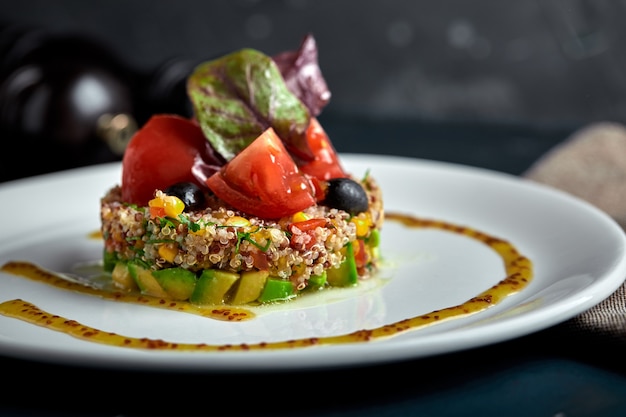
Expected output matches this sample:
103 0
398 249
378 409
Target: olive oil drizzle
519 272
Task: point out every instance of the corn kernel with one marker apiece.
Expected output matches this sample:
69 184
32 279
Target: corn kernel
200 232
168 252
156 202
237 221
299 217
173 205
362 226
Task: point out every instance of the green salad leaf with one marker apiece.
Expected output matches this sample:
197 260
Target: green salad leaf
238 96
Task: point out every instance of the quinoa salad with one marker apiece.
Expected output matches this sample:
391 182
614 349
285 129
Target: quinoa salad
225 239
239 224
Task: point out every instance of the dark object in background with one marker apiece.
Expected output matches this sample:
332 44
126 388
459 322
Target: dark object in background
38 148
66 100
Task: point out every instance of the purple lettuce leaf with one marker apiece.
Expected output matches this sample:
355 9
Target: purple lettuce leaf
303 76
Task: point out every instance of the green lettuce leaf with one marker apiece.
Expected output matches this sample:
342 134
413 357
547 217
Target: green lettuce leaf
238 96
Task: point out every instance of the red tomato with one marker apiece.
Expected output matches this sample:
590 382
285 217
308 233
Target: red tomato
306 227
309 225
157 212
263 180
326 164
360 254
160 154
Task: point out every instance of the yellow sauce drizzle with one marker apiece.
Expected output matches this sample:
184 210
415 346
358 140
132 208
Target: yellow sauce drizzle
518 275
95 235
36 273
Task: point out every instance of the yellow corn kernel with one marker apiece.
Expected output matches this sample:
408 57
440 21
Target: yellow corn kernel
299 217
362 226
261 236
168 252
173 205
200 232
156 202
237 221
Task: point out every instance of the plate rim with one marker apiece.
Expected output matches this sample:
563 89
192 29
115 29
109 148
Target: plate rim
440 342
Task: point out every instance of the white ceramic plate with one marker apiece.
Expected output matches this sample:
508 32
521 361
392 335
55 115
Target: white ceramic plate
578 254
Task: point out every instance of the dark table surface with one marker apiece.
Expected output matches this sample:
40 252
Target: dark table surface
553 372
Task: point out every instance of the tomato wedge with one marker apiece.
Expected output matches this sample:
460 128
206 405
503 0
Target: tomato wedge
263 180
160 154
326 163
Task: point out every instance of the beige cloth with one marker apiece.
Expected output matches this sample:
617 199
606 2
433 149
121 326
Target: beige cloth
608 317
591 165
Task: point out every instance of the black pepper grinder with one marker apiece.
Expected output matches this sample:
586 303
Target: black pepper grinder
66 100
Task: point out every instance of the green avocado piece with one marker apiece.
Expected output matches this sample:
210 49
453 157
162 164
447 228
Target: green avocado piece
146 282
373 241
346 274
250 286
212 286
276 289
179 283
109 260
317 282
122 278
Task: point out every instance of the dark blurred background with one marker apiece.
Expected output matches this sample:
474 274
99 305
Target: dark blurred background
500 82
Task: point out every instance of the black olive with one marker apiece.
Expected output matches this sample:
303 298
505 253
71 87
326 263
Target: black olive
189 193
346 194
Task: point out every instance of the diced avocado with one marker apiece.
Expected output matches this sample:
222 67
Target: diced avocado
109 260
373 240
346 274
212 286
178 283
146 282
122 278
250 286
276 289
317 282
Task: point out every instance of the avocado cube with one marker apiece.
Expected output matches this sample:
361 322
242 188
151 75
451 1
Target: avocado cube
122 278
346 274
373 241
276 289
146 282
317 282
178 283
212 287
250 286
109 260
